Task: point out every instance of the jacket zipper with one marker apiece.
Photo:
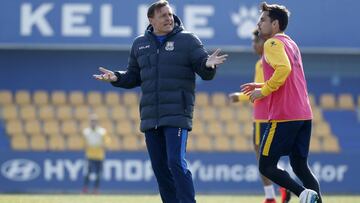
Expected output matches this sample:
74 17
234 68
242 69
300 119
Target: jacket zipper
157 87
157 78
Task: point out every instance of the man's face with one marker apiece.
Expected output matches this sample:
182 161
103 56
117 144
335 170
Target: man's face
163 21
265 25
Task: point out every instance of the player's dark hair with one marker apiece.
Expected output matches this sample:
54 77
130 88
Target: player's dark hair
277 12
156 6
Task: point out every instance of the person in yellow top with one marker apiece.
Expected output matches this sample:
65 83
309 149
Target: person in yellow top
260 116
95 139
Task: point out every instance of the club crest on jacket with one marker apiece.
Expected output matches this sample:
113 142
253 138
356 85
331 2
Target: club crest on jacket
169 46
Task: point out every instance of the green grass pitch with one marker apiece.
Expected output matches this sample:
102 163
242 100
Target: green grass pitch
152 199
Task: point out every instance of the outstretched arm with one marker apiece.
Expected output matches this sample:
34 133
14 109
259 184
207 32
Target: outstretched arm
202 63
125 79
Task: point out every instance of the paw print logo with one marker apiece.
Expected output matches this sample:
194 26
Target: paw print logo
245 20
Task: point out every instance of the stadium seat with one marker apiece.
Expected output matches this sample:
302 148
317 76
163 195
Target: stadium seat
219 99
112 98
81 112
315 144
58 98
38 143
130 99
64 113
198 128
14 127
5 97
214 128
346 101
22 97
70 128
33 127
226 114
204 143
232 128
244 114
118 113
208 114
133 113
317 115
83 124
51 128
247 130
108 125
9 112
330 144
130 143
197 113
241 144
102 112
76 98
75 143
46 112
94 98
201 99
222 144
113 144
123 128
190 146
56 143
19 142
327 101
28 112
40 98
322 129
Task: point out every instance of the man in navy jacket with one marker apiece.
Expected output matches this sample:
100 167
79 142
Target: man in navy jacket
164 62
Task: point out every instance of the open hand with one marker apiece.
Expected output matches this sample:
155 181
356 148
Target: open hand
247 88
214 59
107 75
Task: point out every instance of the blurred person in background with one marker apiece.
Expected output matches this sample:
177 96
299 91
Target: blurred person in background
289 110
164 63
260 116
95 140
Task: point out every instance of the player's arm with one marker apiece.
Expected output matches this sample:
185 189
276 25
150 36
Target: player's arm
131 77
275 55
125 79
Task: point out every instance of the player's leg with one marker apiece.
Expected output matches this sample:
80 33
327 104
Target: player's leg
176 139
299 160
278 141
87 176
258 132
98 168
156 146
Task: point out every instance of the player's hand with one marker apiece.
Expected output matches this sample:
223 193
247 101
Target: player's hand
247 88
107 75
255 95
234 97
214 59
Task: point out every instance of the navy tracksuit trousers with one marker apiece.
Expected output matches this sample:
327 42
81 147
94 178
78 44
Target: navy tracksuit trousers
167 148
